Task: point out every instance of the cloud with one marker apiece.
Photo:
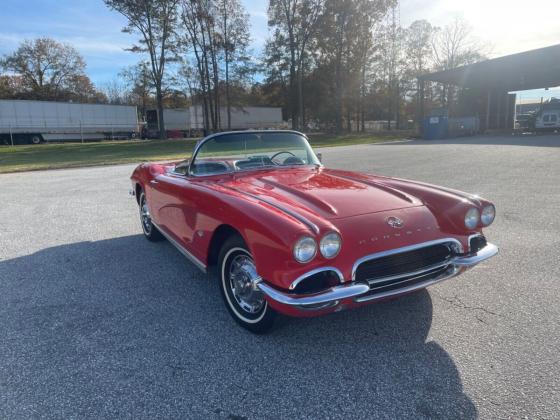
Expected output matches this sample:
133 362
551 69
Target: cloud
84 45
259 23
258 14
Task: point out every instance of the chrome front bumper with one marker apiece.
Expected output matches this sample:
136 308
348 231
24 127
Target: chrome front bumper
358 291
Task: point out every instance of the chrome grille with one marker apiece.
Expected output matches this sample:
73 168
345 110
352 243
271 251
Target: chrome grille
382 271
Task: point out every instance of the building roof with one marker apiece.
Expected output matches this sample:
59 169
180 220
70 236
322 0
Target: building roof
527 70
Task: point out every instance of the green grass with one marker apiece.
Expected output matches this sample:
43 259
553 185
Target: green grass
73 155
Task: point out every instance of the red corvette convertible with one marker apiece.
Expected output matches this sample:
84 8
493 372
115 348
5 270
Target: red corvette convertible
288 235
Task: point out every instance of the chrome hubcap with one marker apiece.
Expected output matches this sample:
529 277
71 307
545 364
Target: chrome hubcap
243 279
145 217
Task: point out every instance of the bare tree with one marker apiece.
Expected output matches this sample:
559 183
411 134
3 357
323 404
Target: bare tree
395 66
155 21
418 46
215 40
234 32
364 50
116 92
418 38
10 86
197 18
346 44
46 68
454 46
295 21
140 86
81 89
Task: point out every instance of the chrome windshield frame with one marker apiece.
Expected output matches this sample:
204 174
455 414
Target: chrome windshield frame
201 143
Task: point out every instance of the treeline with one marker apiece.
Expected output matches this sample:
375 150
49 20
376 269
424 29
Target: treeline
342 63
330 64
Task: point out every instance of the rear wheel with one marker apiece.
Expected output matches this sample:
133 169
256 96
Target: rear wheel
238 279
150 231
36 139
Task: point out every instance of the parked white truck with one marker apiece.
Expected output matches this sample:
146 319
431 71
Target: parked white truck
182 122
38 121
547 118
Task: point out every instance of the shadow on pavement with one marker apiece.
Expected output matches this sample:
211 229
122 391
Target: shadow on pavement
123 327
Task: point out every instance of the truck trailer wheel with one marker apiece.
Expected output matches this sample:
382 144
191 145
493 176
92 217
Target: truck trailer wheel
35 139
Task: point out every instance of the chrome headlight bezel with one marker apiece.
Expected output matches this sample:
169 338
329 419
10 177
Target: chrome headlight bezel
305 241
328 240
488 215
472 218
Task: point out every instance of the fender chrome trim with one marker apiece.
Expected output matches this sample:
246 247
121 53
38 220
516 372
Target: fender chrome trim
316 271
471 260
328 298
199 264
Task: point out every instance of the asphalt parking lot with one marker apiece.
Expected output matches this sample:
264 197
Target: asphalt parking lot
97 322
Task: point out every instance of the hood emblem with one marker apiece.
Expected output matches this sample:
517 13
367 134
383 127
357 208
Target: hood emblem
394 222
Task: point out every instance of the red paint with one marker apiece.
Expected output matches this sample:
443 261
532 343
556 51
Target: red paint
190 209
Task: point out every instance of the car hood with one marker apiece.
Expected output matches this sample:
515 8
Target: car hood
327 193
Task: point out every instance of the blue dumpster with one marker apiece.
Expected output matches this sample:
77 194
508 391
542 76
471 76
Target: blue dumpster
435 128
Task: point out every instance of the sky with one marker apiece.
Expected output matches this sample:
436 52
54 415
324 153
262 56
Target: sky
502 26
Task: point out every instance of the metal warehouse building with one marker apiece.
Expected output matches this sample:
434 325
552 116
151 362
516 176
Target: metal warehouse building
489 82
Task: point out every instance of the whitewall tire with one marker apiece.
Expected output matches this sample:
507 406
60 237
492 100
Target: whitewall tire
244 301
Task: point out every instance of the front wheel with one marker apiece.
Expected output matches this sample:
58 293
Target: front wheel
238 278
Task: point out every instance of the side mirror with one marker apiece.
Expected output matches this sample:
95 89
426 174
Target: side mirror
320 157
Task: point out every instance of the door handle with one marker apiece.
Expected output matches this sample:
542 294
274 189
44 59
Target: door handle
153 181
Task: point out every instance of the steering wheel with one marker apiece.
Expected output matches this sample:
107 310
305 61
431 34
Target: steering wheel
293 158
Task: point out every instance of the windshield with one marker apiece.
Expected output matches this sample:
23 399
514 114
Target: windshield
249 150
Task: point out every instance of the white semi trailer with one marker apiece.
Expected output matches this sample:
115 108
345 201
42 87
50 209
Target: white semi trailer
176 122
38 121
190 121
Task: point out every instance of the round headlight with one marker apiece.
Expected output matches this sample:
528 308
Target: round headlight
472 218
305 249
488 214
330 245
